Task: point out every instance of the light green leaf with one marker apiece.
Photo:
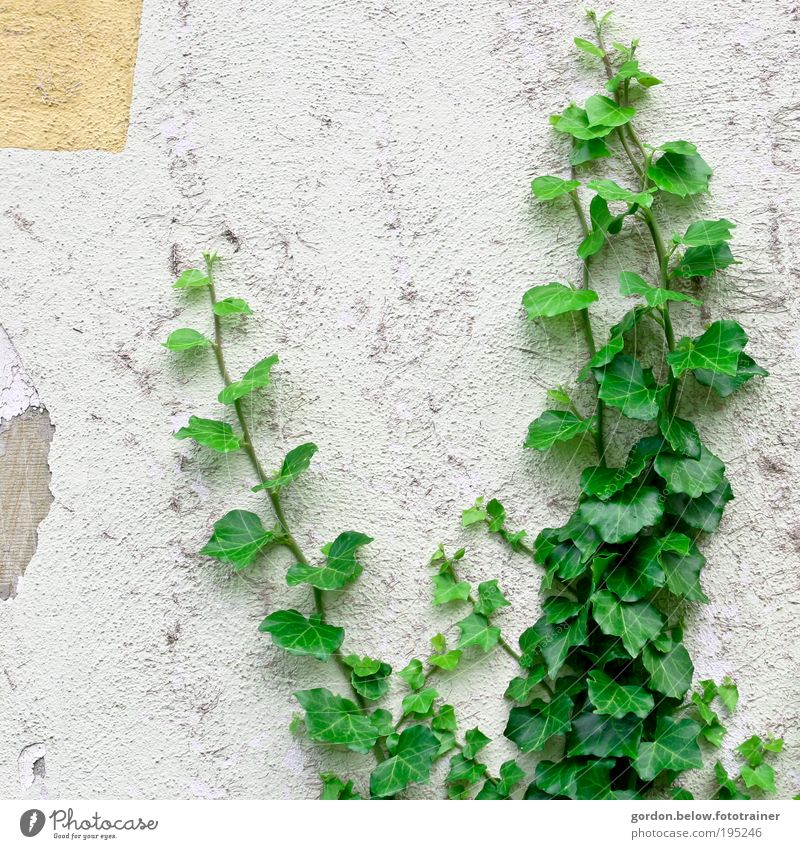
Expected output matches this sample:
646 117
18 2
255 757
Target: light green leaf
703 513
531 726
191 279
587 151
185 339
703 261
670 672
446 589
211 433
361 666
413 674
549 188
334 788
728 789
618 700
555 299
337 721
654 296
606 112
674 747
726 385
447 661
588 47
232 306
419 703
474 741
340 567
692 477
257 377
630 71
609 190
708 233
556 426
717 350
683 147
762 776
635 623
603 482
476 631
574 121
372 685
624 384
728 694
592 244
292 632
680 174
410 764
616 341
624 515
238 538
294 464
490 598
603 736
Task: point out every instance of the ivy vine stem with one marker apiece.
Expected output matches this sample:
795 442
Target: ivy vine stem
287 539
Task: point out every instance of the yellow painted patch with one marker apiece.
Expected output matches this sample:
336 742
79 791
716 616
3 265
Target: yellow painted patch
66 73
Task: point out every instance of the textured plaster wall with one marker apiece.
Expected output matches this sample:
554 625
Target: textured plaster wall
363 168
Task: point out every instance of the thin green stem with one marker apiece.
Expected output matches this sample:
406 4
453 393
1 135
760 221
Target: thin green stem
587 330
286 537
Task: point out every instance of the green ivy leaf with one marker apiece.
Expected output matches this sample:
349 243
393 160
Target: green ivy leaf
555 299
670 672
340 567
574 121
446 589
556 426
689 476
232 306
520 689
618 700
419 703
554 642
728 694
372 685
335 788
258 377
654 296
588 47
463 770
490 598
624 384
725 385
708 233
474 741
510 775
606 112
680 174
191 279
703 513
630 71
413 674
624 515
681 435
550 188
185 339
211 433
682 563
635 623
445 719
674 747
604 736
558 609
592 244
704 260
476 631
410 764
683 147
530 727
447 661
728 789
336 720
587 151
717 350
362 666
762 776
609 190
294 464
238 538
616 341
292 632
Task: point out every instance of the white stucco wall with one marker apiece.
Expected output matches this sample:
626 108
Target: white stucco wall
372 161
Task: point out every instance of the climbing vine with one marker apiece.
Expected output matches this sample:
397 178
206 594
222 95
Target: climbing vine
604 670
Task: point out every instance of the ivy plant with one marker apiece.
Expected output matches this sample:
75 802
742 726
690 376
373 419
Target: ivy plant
605 667
603 674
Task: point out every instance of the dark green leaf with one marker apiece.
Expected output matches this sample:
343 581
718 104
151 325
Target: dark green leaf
555 298
294 464
634 623
703 261
618 700
554 642
464 770
681 435
238 538
670 671
726 385
490 598
558 609
703 513
520 689
624 384
680 174
410 764
530 727
728 789
292 632
692 477
556 426
616 341
257 377
604 736
674 747
211 433
624 515
592 244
